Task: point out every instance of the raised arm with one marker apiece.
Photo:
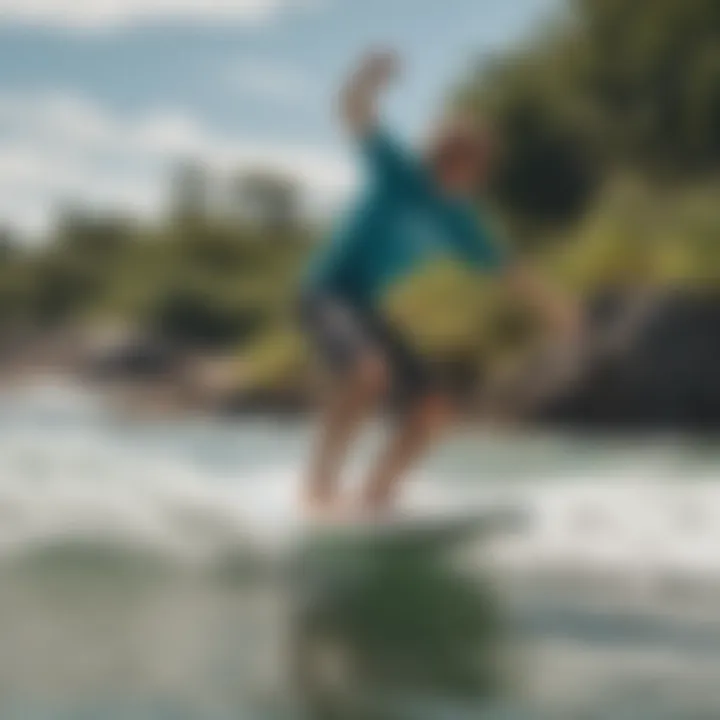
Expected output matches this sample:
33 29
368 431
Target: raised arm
359 96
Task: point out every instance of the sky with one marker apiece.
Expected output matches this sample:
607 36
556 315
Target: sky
99 99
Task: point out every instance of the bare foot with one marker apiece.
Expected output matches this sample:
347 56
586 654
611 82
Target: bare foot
334 511
326 511
362 512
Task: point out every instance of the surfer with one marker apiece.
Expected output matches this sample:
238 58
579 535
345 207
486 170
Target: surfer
413 208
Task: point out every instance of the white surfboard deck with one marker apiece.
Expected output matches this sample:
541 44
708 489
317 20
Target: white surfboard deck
447 527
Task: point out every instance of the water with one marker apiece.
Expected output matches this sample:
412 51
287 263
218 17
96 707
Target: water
144 574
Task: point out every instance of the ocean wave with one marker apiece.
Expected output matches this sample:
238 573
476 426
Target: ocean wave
629 524
80 485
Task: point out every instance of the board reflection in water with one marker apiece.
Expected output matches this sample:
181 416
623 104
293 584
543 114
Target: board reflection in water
388 618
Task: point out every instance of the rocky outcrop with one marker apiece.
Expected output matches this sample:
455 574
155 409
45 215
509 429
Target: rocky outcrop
648 363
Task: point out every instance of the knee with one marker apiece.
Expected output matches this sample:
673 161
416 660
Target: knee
432 414
372 378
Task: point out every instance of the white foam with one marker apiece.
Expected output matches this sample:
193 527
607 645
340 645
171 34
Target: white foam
59 486
82 482
621 524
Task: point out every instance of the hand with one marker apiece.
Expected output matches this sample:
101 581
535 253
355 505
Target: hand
358 98
379 67
562 314
567 320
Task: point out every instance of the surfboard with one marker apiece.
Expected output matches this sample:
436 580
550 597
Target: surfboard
436 529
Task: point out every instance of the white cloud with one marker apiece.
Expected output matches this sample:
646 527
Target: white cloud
56 148
271 80
104 14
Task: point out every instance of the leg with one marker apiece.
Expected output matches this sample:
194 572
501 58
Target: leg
351 400
420 428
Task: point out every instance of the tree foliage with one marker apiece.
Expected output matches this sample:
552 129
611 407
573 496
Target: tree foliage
609 127
615 84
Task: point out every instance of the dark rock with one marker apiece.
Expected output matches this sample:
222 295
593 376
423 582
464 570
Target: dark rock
134 359
282 402
663 374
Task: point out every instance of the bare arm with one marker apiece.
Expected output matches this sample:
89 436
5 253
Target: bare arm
561 313
359 95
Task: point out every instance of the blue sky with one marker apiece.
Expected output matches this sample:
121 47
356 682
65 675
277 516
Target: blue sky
97 99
